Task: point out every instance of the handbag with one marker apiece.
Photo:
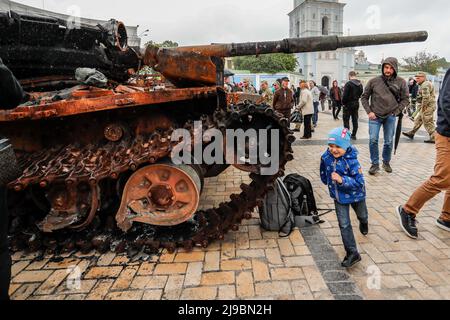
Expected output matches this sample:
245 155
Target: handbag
9 168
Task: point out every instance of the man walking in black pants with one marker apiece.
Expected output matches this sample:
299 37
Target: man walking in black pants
11 95
352 93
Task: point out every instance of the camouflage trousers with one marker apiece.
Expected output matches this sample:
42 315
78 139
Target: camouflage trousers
426 118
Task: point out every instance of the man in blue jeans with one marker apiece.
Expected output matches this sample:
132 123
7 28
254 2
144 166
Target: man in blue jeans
384 98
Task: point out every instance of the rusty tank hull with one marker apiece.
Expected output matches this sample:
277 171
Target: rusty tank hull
97 166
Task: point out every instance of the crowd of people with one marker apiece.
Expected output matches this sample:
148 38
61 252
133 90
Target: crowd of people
385 99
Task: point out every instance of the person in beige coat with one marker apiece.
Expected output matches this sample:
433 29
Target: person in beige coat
306 107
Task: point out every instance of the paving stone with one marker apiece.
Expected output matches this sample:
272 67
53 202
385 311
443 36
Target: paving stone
194 274
170 268
303 261
212 261
314 279
190 257
273 256
271 289
52 282
103 272
125 295
200 293
146 269
106 259
264 244
342 288
301 290
336 276
227 293
260 271
123 282
174 288
218 278
236 265
152 295
25 291
101 289
253 253
287 274
19 266
32 276
245 285
84 286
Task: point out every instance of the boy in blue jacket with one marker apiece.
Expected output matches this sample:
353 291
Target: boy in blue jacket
341 171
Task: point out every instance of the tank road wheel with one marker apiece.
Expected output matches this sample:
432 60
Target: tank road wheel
71 206
162 195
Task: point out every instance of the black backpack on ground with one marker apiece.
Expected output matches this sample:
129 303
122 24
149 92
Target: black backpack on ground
303 200
302 194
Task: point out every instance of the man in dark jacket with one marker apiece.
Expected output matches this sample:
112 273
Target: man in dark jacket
440 181
389 96
413 93
283 100
11 95
353 91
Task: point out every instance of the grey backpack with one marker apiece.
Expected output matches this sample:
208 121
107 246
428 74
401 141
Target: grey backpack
9 170
276 213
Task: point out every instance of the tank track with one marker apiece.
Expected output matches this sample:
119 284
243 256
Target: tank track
103 235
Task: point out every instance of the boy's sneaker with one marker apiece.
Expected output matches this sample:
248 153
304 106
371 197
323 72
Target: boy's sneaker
364 228
387 167
408 223
374 169
445 225
351 259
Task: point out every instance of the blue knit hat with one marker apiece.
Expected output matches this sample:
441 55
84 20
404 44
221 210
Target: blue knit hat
340 137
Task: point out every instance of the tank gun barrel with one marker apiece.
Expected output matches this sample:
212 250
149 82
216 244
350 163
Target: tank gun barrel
299 45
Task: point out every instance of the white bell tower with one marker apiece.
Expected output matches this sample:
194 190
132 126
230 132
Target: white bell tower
312 18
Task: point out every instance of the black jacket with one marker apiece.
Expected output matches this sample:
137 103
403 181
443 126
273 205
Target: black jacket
11 93
414 90
353 91
443 121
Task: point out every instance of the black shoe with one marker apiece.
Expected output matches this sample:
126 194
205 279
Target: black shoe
374 169
408 135
351 259
296 130
431 141
408 223
444 225
364 228
387 167
354 138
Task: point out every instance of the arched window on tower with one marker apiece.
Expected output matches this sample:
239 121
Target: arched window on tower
325 26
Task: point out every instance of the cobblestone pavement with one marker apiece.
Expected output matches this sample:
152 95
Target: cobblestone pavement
253 264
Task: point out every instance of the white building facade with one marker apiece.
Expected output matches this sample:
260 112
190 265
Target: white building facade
312 18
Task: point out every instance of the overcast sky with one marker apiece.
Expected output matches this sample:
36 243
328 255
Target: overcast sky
206 21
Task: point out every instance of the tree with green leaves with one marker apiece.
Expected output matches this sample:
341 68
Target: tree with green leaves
425 61
165 44
267 63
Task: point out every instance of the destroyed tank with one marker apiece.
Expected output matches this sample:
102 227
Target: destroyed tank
96 161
